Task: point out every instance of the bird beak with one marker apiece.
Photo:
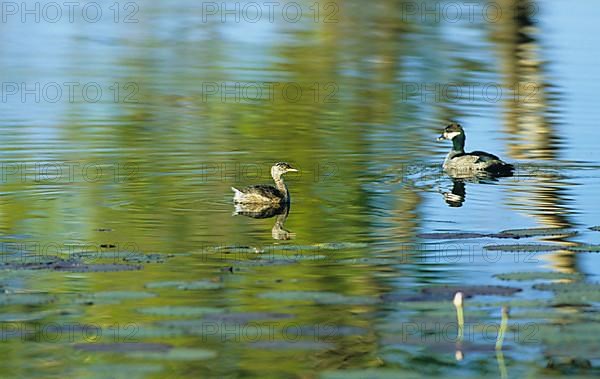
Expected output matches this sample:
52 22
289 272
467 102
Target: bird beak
441 137
292 170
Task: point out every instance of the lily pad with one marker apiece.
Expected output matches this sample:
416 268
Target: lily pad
179 311
539 232
123 347
373 374
317 297
291 345
524 248
123 295
469 291
450 236
157 332
567 287
585 248
572 293
541 275
116 370
176 354
341 245
431 294
235 250
292 257
68 266
244 317
22 317
369 261
125 256
182 285
166 284
293 248
25 299
200 285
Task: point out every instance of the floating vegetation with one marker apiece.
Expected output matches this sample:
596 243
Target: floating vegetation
451 236
572 293
200 285
585 248
115 370
370 261
271 248
437 293
373 374
175 354
72 267
292 257
511 233
166 284
292 345
538 232
22 317
26 299
235 250
341 245
540 275
125 256
568 287
182 285
123 347
123 295
595 228
53 263
244 317
179 311
317 297
530 248
534 248
470 291
568 364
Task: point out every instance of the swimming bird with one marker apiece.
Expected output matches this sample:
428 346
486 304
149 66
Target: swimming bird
461 164
262 194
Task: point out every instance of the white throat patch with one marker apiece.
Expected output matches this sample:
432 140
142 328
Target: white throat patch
451 135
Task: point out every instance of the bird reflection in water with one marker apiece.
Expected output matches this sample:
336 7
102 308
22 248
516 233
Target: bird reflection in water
263 211
456 197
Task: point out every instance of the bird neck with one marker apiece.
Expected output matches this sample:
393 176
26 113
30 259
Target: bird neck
280 185
458 144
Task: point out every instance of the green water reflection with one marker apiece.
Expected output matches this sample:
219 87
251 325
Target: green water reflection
341 281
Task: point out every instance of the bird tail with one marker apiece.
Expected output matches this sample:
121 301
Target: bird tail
237 194
501 169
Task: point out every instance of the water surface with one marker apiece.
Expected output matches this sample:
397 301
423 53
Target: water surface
140 176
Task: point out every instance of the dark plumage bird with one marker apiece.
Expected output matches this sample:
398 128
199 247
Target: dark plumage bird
461 164
262 194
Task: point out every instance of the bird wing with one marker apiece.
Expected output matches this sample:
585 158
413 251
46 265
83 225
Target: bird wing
259 194
266 191
484 157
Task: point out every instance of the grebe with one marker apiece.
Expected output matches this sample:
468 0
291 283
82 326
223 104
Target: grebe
266 194
461 164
